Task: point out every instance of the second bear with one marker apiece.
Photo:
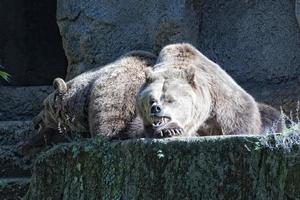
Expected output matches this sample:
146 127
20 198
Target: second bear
188 94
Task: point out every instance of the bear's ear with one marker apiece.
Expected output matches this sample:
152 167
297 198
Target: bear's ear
149 74
60 86
190 76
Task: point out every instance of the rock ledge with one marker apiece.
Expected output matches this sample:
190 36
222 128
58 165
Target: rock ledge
230 167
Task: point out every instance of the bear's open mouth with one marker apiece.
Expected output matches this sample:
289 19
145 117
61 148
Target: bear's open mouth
164 126
160 121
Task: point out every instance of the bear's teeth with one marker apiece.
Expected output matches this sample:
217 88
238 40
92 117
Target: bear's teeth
156 123
160 121
165 120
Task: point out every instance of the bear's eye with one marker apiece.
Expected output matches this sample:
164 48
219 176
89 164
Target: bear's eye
152 101
169 100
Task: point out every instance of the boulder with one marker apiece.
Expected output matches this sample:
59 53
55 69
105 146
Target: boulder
221 167
22 103
256 42
96 32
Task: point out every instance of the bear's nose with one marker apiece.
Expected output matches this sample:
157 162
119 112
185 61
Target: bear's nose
155 109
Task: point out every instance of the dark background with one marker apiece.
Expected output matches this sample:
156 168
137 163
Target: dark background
30 43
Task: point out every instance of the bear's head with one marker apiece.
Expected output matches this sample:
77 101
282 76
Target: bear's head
171 103
48 117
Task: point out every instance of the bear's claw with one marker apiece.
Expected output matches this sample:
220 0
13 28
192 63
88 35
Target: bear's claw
168 132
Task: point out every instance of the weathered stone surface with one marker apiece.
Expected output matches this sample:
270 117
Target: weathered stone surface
12 132
95 32
13 188
15 168
284 95
21 103
232 167
297 10
256 42
12 163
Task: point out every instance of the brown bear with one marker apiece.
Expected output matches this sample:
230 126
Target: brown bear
99 101
188 94
272 120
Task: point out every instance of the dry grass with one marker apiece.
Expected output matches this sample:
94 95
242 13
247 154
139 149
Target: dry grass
289 138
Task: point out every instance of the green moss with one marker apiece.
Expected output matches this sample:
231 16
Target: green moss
187 168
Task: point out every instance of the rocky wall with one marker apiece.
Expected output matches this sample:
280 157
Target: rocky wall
256 42
96 32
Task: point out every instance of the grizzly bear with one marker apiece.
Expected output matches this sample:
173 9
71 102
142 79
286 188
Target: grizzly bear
99 101
272 120
187 94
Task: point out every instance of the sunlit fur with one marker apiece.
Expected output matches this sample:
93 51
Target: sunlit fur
220 100
99 101
178 98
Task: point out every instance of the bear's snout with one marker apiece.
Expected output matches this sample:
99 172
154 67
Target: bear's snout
155 109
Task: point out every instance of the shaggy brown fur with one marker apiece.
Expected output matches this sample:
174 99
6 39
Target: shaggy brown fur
223 104
271 119
196 96
99 101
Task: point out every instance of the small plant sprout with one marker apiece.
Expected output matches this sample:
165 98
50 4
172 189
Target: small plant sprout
6 76
160 154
